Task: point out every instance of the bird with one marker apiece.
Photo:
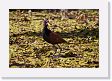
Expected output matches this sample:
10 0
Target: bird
52 37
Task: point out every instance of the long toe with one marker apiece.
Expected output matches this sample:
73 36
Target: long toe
56 56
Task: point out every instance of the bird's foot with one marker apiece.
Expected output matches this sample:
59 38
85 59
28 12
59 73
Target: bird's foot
56 56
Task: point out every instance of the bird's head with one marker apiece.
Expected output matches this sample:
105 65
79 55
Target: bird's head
46 22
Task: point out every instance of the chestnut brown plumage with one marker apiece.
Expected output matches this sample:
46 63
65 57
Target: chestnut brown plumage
51 37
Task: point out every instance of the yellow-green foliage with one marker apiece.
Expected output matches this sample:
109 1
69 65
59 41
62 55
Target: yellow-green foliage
80 29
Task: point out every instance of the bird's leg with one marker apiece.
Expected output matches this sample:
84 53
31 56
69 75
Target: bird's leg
57 47
55 50
60 50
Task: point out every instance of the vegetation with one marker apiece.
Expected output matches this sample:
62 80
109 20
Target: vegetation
80 28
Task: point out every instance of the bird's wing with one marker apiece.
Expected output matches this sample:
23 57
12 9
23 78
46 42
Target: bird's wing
56 38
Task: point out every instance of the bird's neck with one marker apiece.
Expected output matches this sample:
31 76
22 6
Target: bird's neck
46 30
45 27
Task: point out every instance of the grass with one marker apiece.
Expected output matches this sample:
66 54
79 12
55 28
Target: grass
27 49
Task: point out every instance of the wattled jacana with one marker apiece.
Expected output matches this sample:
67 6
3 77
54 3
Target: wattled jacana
51 37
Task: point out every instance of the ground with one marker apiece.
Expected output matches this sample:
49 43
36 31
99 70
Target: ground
27 48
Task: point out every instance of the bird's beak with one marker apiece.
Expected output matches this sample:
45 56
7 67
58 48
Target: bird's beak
48 24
